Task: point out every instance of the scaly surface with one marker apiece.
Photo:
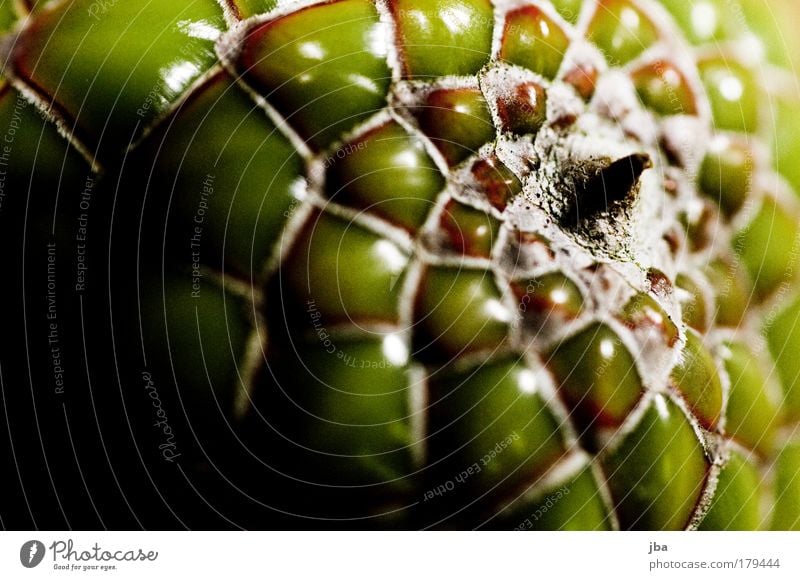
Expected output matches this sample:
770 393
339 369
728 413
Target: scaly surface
448 263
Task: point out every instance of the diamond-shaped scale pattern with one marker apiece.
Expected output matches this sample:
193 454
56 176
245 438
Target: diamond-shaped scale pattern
733 93
361 243
460 310
621 30
83 73
663 88
460 33
229 202
346 272
325 82
533 40
247 8
457 121
359 172
468 231
735 504
697 378
507 435
597 374
340 404
667 462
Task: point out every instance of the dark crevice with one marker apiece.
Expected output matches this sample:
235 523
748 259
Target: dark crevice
602 186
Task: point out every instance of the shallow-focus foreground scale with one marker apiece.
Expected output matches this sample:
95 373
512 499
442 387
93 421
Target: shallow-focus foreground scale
517 264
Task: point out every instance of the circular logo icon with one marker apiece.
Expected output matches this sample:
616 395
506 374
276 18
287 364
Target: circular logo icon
31 553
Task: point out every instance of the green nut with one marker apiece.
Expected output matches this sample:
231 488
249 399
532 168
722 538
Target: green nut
199 336
342 407
706 21
785 136
730 290
770 28
642 311
8 16
550 295
568 9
